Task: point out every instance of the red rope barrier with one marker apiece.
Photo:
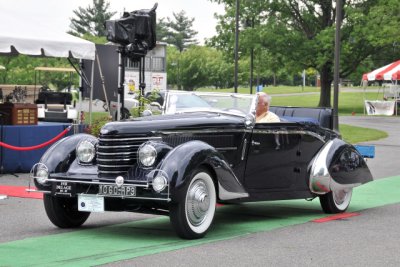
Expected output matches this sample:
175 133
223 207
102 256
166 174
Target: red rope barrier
18 148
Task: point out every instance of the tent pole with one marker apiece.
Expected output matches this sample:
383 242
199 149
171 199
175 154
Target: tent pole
364 85
91 93
102 83
34 90
120 82
80 92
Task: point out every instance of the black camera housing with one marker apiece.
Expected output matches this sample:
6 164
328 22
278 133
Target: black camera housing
137 28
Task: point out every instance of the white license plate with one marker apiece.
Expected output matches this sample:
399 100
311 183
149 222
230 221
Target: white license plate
90 203
113 190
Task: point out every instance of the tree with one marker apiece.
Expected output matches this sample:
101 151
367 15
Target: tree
180 32
20 70
197 66
301 33
91 20
162 30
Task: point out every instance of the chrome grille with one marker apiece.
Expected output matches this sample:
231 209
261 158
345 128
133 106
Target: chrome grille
116 154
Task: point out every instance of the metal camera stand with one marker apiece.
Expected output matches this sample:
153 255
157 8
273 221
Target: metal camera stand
136 53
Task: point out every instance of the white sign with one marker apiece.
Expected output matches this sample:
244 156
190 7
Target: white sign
153 80
90 203
378 107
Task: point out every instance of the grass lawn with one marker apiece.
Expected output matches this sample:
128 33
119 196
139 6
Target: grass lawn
354 135
269 89
348 102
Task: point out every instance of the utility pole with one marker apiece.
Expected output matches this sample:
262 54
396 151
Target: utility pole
236 46
337 66
251 61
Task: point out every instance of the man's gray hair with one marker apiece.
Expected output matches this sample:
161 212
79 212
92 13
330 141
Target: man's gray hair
266 98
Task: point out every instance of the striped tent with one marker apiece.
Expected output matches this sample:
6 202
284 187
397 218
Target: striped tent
385 73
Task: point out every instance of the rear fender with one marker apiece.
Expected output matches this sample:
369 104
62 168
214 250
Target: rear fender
180 163
338 165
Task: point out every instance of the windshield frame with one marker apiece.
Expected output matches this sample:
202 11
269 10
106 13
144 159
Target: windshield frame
170 93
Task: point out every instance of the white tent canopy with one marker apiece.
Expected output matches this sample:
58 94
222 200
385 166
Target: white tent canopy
22 37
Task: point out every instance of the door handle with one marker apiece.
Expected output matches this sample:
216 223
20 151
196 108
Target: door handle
254 143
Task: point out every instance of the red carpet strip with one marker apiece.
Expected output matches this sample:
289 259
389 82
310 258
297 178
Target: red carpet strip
19 191
336 217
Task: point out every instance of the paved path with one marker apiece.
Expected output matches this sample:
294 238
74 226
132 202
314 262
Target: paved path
387 151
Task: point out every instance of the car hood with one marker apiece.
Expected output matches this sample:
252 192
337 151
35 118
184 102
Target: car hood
189 121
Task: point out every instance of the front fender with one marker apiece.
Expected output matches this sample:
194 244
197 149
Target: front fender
180 163
338 165
61 155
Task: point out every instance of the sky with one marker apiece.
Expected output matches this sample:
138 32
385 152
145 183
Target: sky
56 14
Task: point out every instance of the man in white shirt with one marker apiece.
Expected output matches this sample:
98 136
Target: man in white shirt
262 110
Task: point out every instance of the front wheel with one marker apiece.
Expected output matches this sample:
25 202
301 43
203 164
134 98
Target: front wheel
63 212
336 201
194 213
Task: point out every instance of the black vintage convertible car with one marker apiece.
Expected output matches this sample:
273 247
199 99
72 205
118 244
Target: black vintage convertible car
204 149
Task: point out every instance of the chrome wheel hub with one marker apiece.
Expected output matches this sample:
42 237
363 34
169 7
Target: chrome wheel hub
339 196
197 203
342 198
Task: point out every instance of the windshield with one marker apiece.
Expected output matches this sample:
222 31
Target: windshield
183 102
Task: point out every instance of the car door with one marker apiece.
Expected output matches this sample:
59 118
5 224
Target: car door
272 162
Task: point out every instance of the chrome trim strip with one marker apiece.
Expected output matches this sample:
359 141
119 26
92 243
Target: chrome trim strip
226 195
37 191
113 154
114 166
128 139
226 148
147 198
119 172
206 131
147 185
290 132
244 149
113 160
122 146
247 131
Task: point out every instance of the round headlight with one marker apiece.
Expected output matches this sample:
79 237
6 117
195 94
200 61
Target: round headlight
42 175
159 183
147 155
85 151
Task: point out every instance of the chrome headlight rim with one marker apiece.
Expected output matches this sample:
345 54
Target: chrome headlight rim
159 183
40 173
147 155
85 151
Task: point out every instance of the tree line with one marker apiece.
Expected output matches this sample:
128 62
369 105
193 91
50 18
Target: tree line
285 37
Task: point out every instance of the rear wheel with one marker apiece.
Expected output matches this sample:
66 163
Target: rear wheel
194 213
63 212
336 201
